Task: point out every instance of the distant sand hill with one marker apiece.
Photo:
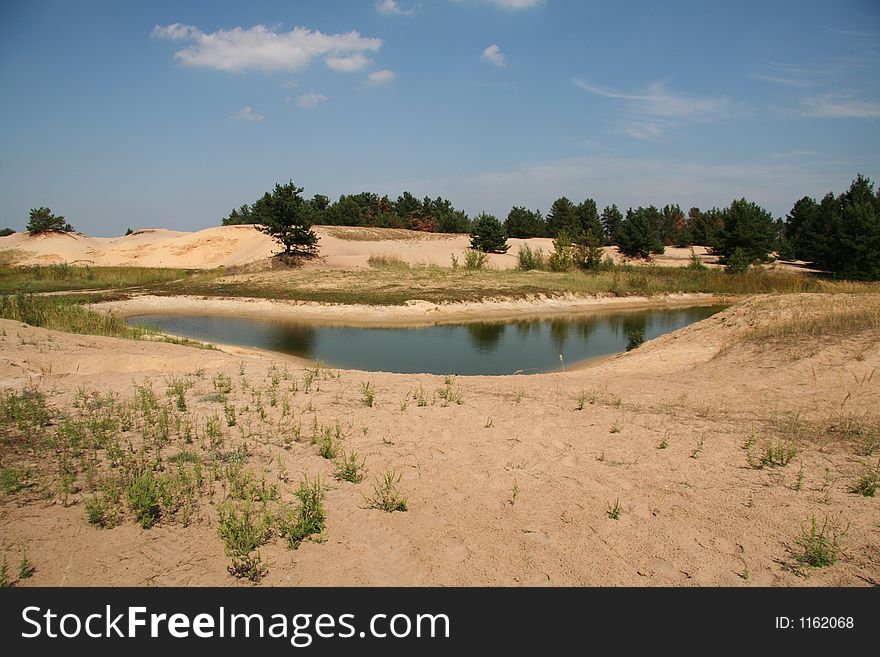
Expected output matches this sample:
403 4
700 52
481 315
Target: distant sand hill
339 246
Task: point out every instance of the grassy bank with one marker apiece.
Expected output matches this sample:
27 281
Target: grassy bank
63 278
392 282
395 284
66 313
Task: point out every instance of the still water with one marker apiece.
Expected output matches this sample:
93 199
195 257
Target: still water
512 347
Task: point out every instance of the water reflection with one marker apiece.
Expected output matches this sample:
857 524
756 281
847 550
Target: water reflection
485 337
526 346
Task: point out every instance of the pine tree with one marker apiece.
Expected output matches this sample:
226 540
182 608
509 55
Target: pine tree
637 236
487 234
611 221
43 221
286 216
748 227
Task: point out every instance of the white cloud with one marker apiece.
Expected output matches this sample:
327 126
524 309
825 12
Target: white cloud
377 78
261 48
392 8
348 64
247 113
310 100
493 55
834 106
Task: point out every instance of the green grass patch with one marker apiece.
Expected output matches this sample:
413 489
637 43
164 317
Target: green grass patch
65 314
383 285
65 278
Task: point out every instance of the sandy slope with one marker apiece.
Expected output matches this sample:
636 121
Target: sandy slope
238 245
693 513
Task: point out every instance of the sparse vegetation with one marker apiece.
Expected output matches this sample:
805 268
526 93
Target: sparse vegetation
614 510
349 467
869 481
308 518
820 546
368 394
386 493
243 530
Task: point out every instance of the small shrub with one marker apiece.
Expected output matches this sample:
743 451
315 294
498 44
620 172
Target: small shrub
26 567
474 259
562 258
528 260
368 394
777 454
348 468
387 495
308 519
12 480
143 499
103 510
869 482
242 533
820 547
614 511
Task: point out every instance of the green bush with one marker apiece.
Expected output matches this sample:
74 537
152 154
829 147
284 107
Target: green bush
488 234
528 260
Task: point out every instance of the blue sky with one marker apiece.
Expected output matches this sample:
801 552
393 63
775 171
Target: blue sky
150 113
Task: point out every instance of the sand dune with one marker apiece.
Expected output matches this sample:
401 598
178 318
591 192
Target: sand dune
339 246
509 487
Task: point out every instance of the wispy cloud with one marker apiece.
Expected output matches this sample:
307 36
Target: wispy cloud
657 100
377 78
646 130
262 48
493 55
837 106
656 110
392 8
800 83
772 184
509 86
247 113
310 100
348 64
793 154
865 34
507 5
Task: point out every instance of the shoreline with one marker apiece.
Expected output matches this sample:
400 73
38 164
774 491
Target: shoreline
414 313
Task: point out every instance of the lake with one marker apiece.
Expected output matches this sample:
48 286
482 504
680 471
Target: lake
510 347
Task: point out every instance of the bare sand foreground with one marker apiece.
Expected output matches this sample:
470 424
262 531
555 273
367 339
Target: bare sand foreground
509 480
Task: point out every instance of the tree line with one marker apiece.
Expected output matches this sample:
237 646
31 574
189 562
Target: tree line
840 234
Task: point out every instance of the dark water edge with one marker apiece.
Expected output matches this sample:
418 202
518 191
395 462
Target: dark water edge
489 348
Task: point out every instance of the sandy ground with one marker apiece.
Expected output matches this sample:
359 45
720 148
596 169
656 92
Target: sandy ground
414 313
511 486
340 247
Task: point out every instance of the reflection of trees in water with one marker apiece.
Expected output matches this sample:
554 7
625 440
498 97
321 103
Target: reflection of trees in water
562 329
525 329
559 330
485 337
296 339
